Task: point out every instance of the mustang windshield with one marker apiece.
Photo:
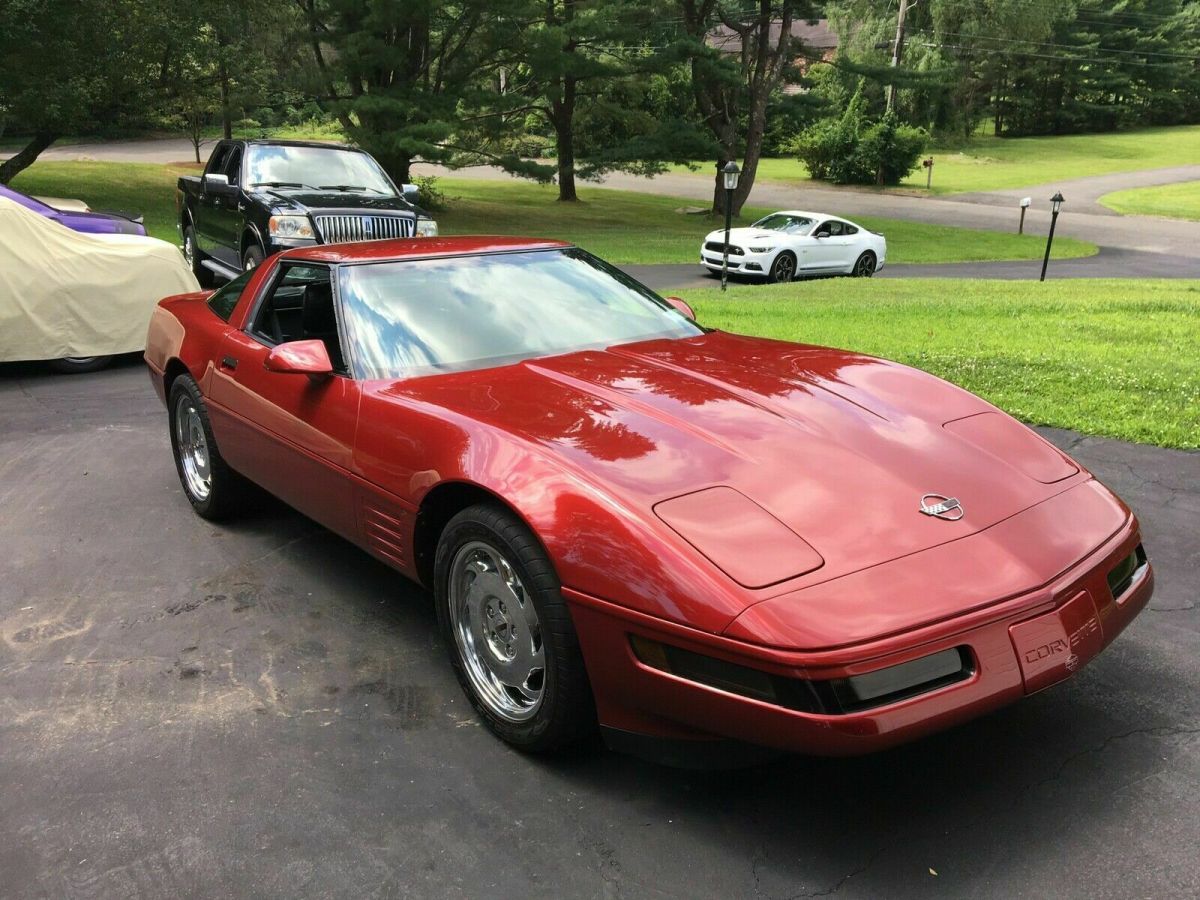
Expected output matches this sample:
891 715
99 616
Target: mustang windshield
787 224
315 167
417 317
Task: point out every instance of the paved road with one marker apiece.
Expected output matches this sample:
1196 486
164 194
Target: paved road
1084 193
260 710
1089 222
1108 263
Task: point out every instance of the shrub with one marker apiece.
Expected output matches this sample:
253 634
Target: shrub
430 197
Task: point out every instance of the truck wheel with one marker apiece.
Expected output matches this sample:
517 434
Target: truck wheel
252 257
195 258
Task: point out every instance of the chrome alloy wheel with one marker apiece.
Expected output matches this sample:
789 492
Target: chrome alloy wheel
497 631
189 248
192 447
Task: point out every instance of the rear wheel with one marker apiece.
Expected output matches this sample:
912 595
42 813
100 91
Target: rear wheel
784 267
78 365
510 636
195 259
214 490
864 266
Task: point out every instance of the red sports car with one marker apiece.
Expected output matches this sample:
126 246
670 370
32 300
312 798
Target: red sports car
693 539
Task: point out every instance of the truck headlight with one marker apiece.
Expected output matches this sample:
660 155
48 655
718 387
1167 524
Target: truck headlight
291 227
426 228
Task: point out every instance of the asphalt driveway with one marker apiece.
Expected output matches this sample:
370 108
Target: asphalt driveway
259 709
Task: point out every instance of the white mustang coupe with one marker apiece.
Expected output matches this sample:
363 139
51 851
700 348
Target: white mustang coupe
791 244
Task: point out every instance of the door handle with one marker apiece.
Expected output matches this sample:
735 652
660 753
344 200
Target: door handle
228 362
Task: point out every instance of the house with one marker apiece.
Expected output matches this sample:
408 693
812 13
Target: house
813 41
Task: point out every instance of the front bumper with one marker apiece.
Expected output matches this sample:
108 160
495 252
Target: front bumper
749 264
1017 646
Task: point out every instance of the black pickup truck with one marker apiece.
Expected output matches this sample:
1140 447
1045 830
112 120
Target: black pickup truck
257 197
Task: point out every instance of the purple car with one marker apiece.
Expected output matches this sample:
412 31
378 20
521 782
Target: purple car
89 222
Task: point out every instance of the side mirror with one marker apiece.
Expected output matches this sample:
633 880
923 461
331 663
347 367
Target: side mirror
410 192
216 184
300 358
683 306
821 234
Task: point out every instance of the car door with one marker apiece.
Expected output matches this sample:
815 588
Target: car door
227 213
292 434
207 219
825 250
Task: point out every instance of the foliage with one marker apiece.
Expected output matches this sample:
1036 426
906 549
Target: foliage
851 149
430 195
1090 355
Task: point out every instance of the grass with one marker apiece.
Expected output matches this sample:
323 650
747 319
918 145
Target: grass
622 226
1175 201
1107 357
990 163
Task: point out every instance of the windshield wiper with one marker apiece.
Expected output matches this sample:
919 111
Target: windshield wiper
347 187
294 184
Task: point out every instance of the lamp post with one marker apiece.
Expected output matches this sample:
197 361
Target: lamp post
730 173
1056 203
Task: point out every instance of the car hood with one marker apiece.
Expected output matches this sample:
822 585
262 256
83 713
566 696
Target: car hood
305 200
742 236
837 446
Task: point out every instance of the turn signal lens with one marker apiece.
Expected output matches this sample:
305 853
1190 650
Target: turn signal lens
705 669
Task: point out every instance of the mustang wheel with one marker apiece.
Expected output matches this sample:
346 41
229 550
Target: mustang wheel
77 365
784 267
510 635
864 266
213 489
194 258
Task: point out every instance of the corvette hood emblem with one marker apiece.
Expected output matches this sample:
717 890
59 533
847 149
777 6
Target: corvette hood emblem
941 507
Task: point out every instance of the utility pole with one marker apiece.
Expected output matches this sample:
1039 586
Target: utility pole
898 49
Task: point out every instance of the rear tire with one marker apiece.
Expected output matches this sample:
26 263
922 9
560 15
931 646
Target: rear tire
195 259
509 633
783 269
78 365
864 266
214 490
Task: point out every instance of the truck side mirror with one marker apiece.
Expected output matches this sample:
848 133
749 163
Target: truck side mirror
216 184
410 192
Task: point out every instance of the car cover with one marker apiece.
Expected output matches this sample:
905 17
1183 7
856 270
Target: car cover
63 293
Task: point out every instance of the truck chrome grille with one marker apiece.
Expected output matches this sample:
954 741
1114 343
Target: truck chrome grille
347 229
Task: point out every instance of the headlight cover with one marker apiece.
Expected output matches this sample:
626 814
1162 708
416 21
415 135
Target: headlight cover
426 228
291 227
761 249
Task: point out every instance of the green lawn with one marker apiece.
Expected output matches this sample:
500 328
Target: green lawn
622 226
1113 358
991 163
1175 201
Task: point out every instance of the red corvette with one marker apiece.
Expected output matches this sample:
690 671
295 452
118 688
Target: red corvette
695 540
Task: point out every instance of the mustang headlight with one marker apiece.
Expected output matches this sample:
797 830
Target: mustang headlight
426 228
291 227
760 249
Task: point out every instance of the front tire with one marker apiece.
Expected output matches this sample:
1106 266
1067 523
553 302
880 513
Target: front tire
864 266
79 365
252 258
195 259
509 632
214 490
783 269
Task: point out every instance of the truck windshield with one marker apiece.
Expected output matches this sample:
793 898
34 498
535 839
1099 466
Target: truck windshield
312 167
419 317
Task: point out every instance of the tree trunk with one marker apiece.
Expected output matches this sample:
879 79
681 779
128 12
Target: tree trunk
226 118
10 167
563 113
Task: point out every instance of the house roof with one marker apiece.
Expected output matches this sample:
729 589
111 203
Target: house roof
813 34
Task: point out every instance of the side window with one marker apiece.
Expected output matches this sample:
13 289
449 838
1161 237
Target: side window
849 229
823 228
223 301
216 162
299 307
835 228
233 167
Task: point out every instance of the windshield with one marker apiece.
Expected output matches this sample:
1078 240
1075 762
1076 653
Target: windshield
330 168
417 317
786 223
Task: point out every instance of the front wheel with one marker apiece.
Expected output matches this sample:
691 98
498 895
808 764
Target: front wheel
864 266
78 365
213 489
510 636
195 260
784 268
252 257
